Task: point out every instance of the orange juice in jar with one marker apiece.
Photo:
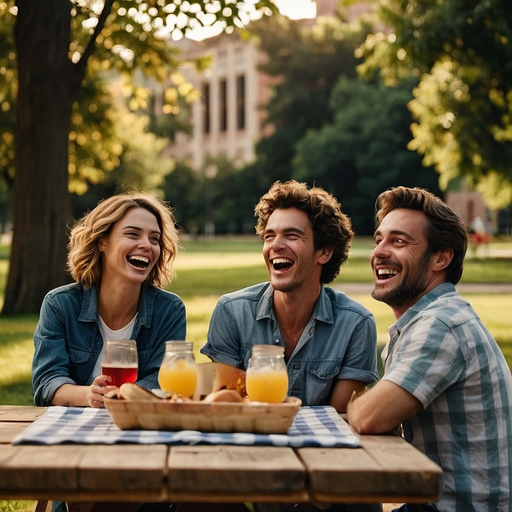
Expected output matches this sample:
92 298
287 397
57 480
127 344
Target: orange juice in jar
178 371
267 378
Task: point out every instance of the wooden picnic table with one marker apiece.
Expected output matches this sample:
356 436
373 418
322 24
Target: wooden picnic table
385 469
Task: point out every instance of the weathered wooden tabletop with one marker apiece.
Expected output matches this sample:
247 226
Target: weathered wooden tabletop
385 469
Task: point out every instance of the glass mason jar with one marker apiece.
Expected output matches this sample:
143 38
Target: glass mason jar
178 371
267 378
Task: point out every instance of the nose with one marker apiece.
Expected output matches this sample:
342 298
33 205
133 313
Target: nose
278 242
144 242
380 250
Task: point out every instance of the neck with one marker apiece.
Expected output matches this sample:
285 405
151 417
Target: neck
118 305
293 312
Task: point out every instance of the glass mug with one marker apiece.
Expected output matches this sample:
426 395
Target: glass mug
120 361
178 371
267 379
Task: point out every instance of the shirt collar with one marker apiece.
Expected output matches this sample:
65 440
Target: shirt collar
89 311
423 302
322 311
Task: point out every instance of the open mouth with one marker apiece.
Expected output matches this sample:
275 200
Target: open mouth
281 263
386 273
139 261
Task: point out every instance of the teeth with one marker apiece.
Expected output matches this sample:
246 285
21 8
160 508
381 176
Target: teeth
140 258
387 272
139 261
278 261
281 263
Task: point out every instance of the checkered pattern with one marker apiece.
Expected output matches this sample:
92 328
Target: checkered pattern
313 426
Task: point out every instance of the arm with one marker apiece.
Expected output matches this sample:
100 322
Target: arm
71 395
343 391
223 343
381 408
53 379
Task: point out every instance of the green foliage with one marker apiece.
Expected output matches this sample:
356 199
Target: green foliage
300 98
461 50
111 40
364 150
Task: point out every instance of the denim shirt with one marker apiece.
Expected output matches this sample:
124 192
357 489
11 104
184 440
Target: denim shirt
68 341
339 342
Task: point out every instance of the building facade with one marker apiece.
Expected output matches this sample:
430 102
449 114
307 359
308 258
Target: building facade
228 120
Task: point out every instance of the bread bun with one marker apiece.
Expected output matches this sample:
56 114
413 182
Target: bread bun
131 391
224 395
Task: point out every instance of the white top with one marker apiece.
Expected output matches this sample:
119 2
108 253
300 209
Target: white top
110 334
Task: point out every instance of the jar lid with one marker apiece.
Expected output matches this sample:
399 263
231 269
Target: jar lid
267 350
179 345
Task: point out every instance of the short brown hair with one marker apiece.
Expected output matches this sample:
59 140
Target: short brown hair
445 229
84 257
331 227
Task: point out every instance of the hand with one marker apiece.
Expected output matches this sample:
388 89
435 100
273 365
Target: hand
97 390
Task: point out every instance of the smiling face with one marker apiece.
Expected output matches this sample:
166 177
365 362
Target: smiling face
289 251
132 247
403 267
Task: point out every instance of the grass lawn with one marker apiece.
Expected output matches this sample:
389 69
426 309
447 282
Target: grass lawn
205 271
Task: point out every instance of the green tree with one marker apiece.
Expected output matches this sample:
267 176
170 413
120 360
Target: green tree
364 150
462 51
52 62
305 63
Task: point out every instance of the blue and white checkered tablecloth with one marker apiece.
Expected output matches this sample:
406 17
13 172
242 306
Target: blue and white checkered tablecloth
319 426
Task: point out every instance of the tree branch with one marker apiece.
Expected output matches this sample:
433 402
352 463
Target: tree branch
81 65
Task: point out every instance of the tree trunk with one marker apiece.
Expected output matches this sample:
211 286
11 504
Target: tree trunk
42 203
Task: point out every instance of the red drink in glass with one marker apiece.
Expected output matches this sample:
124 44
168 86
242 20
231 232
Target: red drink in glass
120 374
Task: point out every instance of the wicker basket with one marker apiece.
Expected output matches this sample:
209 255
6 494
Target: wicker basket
256 417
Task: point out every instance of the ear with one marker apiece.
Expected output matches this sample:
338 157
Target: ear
325 255
101 245
441 259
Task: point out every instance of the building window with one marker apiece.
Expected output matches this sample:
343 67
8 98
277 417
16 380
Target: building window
223 105
240 102
206 107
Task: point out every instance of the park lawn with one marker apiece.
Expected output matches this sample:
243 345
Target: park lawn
207 270
16 345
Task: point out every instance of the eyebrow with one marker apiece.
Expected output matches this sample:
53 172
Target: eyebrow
287 230
137 228
395 232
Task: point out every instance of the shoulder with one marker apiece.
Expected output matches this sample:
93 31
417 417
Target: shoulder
161 296
444 305
65 293
251 294
341 301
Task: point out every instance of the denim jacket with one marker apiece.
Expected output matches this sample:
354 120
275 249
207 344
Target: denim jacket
68 341
339 342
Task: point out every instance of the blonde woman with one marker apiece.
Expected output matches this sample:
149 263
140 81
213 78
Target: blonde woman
120 256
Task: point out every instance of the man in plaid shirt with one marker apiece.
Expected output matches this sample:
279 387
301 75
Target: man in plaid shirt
445 380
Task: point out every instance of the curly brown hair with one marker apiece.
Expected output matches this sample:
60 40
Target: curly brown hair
84 256
331 227
445 229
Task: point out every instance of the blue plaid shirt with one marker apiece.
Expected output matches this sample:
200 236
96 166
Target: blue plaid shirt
339 341
440 351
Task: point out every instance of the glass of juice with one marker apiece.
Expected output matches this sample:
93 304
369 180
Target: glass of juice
178 371
120 361
267 378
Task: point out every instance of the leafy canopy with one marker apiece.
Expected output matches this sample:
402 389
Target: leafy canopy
461 50
111 39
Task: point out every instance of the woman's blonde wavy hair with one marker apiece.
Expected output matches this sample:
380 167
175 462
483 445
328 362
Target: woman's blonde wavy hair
84 257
